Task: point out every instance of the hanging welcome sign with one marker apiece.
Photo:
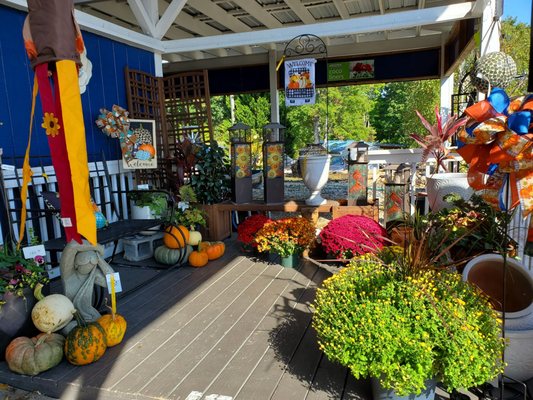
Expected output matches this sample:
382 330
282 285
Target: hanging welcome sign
300 82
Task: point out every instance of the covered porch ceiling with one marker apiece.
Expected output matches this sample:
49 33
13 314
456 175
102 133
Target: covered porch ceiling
192 34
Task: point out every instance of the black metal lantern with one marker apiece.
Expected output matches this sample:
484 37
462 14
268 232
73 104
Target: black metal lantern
273 162
396 198
241 163
357 174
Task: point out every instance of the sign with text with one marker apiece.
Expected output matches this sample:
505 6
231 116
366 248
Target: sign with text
300 82
139 149
350 70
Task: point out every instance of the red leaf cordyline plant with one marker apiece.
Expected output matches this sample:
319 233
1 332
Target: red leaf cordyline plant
435 141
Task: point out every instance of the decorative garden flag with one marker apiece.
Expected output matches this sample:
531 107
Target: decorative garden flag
300 82
53 42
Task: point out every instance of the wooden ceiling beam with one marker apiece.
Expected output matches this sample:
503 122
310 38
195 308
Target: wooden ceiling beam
375 23
217 13
301 11
259 13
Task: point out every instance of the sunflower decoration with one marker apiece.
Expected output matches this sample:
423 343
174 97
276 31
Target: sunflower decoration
274 161
50 124
242 160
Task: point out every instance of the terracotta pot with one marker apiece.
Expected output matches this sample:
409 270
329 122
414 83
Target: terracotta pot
486 272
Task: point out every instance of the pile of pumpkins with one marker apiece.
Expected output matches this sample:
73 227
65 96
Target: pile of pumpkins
179 245
84 344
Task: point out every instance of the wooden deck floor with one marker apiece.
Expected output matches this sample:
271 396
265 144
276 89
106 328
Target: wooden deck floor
236 329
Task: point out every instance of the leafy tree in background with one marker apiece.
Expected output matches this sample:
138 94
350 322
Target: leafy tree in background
515 42
394 117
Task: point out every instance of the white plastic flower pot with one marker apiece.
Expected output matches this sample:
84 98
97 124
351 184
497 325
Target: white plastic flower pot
315 172
440 185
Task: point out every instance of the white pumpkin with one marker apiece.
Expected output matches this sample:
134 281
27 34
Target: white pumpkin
195 237
51 313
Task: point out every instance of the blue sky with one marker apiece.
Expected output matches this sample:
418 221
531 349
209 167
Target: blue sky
520 9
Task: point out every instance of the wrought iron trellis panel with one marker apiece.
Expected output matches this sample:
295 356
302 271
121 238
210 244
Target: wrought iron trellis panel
180 105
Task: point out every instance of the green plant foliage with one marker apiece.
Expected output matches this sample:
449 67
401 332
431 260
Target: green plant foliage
210 180
156 201
404 329
470 228
18 273
515 42
394 117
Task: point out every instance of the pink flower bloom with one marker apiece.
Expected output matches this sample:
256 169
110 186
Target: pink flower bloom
352 235
39 260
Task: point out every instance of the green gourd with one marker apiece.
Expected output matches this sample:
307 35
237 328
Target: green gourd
30 356
167 256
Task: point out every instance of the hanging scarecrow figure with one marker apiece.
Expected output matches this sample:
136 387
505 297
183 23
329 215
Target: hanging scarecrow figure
54 43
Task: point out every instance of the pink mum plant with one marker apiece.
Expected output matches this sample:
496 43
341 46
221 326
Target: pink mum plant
351 235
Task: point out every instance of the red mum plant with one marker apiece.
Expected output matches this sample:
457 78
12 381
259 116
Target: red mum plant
248 228
352 235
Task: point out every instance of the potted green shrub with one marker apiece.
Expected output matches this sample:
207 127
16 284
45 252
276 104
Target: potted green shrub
211 183
398 319
147 204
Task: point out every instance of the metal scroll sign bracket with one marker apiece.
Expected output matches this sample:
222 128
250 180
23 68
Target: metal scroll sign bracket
309 45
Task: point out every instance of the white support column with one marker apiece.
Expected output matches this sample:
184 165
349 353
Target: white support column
446 91
273 78
158 63
490 29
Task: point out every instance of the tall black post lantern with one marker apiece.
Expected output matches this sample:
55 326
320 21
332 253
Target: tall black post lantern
357 174
241 163
273 162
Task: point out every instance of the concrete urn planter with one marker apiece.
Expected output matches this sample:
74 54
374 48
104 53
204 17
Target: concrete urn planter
315 171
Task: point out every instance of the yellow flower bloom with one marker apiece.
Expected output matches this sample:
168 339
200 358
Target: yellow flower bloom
50 124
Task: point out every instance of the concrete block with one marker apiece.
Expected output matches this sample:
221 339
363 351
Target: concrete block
141 247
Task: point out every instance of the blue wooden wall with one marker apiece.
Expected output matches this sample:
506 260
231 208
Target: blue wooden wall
106 87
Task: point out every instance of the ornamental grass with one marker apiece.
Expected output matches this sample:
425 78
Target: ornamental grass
285 236
405 326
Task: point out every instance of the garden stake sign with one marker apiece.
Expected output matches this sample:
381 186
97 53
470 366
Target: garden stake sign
498 142
55 56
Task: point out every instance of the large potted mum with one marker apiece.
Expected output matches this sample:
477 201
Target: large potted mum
287 237
398 319
18 277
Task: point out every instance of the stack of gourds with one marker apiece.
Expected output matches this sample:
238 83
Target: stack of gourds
84 344
178 247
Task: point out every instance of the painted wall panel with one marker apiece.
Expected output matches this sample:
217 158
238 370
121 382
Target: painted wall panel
106 87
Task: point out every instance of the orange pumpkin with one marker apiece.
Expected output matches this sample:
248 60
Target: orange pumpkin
203 245
198 259
176 237
86 343
216 250
148 147
114 326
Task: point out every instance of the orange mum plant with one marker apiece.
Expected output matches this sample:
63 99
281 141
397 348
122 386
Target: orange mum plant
285 236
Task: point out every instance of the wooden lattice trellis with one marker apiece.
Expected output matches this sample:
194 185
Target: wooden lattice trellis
180 105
